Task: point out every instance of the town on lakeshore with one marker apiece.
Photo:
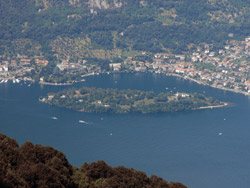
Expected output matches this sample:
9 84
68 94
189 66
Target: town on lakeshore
227 68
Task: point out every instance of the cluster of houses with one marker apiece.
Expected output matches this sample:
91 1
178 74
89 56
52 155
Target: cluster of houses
80 65
22 66
19 67
226 68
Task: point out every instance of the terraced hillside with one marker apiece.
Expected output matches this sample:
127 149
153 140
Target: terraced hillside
88 28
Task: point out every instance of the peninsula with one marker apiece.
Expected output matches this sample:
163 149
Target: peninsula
128 101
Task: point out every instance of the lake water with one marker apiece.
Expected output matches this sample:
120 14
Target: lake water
183 146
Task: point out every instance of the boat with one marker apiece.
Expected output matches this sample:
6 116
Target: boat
81 121
1 81
41 99
110 134
55 118
17 80
5 81
14 81
220 134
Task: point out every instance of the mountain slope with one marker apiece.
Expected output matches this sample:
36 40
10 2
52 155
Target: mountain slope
141 25
44 167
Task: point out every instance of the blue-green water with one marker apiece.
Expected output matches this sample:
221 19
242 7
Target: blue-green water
183 146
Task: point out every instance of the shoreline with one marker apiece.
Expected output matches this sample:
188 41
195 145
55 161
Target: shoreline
211 107
205 84
67 84
60 84
167 74
55 84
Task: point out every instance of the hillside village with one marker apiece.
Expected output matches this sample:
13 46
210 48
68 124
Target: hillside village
226 68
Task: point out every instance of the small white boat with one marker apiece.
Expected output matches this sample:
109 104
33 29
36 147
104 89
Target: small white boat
17 81
29 85
1 81
110 134
5 81
220 134
55 118
14 81
81 121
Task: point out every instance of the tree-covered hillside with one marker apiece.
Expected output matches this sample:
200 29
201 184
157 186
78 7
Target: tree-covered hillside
32 27
37 166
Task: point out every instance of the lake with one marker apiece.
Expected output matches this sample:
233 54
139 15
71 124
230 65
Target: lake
204 148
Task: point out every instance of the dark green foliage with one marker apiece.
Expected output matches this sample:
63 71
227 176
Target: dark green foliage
103 176
143 58
102 39
127 101
103 63
33 166
36 166
143 26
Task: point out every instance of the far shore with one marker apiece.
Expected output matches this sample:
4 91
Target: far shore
65 84
167 74
202 83
60 84
55 84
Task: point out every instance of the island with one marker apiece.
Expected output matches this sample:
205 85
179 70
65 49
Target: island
98 100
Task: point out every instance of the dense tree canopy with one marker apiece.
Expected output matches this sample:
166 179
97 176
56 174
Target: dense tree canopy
99 100
152 26
44 167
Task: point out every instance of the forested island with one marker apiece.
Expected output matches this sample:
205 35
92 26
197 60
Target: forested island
98 100
38 166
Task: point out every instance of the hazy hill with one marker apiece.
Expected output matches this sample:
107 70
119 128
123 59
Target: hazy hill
80 28
44 167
